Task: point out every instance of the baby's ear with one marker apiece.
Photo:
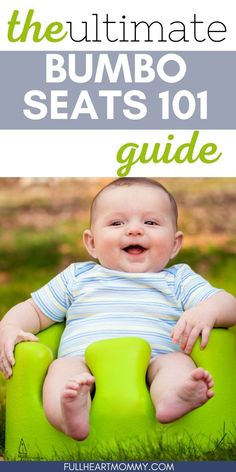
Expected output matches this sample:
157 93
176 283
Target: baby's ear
178 243
88 240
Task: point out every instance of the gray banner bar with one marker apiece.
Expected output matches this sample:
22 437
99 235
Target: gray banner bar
119 466
206 90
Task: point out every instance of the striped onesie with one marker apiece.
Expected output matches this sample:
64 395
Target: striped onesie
99 303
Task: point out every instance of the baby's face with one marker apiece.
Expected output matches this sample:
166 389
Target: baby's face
133 229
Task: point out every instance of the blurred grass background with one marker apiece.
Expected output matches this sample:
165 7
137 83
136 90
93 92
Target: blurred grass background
42 222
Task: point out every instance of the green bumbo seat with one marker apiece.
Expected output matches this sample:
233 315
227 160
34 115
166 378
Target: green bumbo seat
122 411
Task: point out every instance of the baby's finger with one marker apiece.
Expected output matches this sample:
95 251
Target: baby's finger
192 339
10 355
185 336
9 352
24 336
178 330
1 364
5 367
205 336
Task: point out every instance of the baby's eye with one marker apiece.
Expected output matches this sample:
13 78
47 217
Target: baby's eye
117 223
151 222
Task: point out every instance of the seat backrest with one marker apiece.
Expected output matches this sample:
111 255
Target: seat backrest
51 337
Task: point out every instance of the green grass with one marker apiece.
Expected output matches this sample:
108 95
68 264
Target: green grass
223 449
150 449
216 264
2 413
29 259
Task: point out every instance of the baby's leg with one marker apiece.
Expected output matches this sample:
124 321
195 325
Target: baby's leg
177 386
66 396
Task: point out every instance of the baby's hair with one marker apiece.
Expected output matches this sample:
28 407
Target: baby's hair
128 181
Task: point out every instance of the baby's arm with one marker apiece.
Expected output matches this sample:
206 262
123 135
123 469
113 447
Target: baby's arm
219 311
19 324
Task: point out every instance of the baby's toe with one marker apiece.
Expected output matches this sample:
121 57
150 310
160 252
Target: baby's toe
210 394
208 378
197 374
69 393
72 385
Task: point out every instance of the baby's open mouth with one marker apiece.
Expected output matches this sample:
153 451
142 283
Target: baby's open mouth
134 249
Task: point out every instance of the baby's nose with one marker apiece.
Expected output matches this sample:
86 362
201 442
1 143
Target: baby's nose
135 229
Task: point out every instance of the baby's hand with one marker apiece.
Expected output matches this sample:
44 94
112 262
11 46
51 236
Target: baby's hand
192 324
11 335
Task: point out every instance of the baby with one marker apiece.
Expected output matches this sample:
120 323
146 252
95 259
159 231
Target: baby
130 292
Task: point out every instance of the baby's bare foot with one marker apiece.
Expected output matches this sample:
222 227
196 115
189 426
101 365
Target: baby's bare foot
193 393
75 406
